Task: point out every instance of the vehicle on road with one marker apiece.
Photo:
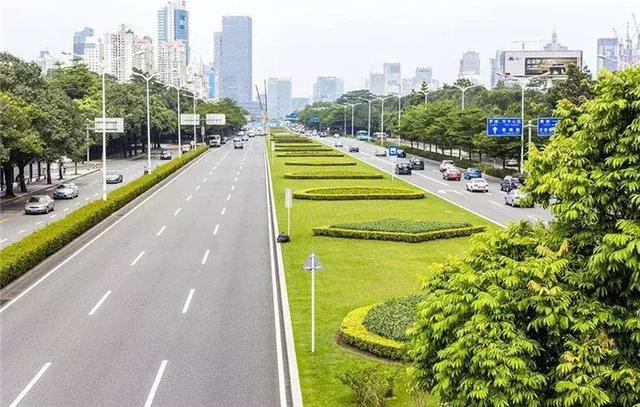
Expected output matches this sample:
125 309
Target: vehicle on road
114 177
354 149
165 155
381 152
417 163
401 153
185 148
215 141
380 136
238 145
477 185
338 143
509 183
323 134
224 140
516 197
472 172
39 204
363 135
68 190
512 162
452 174
245 138
336 135
403 168
446 164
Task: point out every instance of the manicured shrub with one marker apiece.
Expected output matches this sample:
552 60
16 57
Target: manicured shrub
396 236
336 174
25 254
310 154
391 319
402 225
357 192
371 384
321 163
300 150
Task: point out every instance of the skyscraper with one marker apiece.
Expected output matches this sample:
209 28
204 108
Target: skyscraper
172 62
608 54
278 97
375 83
143 54
79 39
235 59
118 53
327 89
392 78
470 66
173 23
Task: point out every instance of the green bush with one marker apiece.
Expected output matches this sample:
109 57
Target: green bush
311 149
391 319
336 174
371 384
321 163
23 255
402 225
353 332
358 192
310 154
396 236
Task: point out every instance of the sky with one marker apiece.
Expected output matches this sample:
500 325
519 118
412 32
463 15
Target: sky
303 39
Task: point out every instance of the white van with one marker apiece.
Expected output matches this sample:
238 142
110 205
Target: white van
215 140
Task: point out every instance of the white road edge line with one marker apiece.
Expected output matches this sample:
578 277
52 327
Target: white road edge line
30 385
3 240
133 263
185 308
177 211
206 255
161 230
215 231
156 383
80 250
22 231
496 203
95 308
223 211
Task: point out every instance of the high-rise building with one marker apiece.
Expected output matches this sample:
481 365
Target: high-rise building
278 97
212 78
172 62
118 53
45 61
173 23
79 39
143 55
423 75
327 89
375 83
298 104
217 50
607 54
392 78
93 53
470 67
235 59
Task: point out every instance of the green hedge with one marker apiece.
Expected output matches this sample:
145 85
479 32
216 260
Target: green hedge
402 225
391 318
397 236
358 192
302 150
334 175
310 154
353 332
23 255
321 163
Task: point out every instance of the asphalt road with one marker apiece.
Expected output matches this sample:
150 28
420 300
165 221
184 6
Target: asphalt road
489 205
15 224
171 306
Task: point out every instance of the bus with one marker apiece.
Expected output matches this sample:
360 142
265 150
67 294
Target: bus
363 135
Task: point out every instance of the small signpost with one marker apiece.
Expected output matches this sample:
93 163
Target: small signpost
311 264
288 203
216 119
547 126
393 151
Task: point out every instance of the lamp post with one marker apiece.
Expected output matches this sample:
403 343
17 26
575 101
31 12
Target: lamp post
344 120
147 79
353 105
382 99
425 93
369 122
463 90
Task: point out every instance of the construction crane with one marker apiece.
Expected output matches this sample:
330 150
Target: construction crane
525 42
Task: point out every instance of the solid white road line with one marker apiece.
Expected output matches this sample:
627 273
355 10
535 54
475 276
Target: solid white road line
30 385
223 211
77 204
496 204
53 216
228 197
233 187
206 255
189 198
65 209
198 187
185 308
205 178
22 231
215 231
87 198
133 263
161 230
156 383
177 211
95 308
38 223
3 240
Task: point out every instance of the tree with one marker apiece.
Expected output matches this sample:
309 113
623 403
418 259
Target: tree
577 88
550 315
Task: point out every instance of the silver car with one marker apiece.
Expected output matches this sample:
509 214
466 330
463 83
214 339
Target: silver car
114 177
338 143
515 197
477 184
68 190
39 204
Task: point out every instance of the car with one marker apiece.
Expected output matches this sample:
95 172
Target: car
165 155
446 164
354 149
336 135
323 134
338 143
236 139
403 168
245 138
114 177
417 163
185 148
472 172
215 141
39 204
477 185
381 152
380 136
512 162
67 190
401 153
452 174
509 183
238 145
224 140
516 197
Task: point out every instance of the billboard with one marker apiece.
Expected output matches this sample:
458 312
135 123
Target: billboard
533 63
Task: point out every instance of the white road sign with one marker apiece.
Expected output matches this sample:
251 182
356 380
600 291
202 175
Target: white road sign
215 119
189 119
113 124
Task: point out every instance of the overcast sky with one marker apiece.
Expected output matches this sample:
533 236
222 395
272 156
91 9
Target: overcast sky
303 39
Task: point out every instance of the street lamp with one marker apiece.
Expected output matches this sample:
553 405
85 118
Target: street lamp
462 89
382 99
353 105
523 82
425 93
147 79
369 122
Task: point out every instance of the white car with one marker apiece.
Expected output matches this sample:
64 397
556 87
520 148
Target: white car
445 164
185 148
68 190
381 152
39 204
515 197
245 138
336 135
338 143
477 185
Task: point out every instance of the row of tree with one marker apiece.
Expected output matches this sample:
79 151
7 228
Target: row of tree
46 117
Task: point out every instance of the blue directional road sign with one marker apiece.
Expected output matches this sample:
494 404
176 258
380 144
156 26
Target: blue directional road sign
547 126
393 151
504 126
315 119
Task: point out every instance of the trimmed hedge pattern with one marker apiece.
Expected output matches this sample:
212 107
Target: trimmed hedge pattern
23 255
391 318
334 175
320 163
353 332
402 225
358 192
310 154
302 150
330 231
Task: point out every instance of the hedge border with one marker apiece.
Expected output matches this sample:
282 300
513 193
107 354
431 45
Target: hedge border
23 255
307 154
399 194
329 231
353 332
336 175
319 164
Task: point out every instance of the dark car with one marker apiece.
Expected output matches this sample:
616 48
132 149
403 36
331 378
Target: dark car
354 149
401 153
417 163
165 155
403 168
472 172
509 183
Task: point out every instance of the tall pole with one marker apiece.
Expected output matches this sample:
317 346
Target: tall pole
529 145
179 141
522 133
353 106
464 90
195 141
87 147
344 124
104 137
148 131
313 303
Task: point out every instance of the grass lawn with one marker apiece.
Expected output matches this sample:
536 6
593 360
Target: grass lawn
356 272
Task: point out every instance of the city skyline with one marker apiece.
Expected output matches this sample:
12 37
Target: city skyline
479 29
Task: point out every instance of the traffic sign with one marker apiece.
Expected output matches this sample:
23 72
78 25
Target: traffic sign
393 151
113 125
314 119
216 119
189 119
312 263
504 126
547 126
